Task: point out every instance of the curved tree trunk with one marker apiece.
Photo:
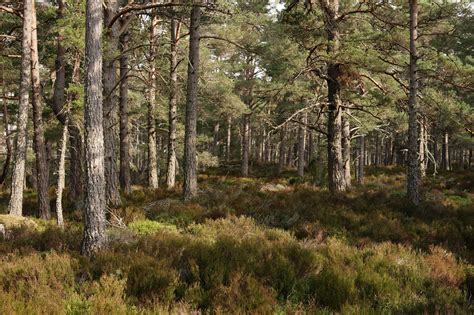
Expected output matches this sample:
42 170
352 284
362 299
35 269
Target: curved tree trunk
18 176
94 212
190 153
413 160
42 168
125 181
171 168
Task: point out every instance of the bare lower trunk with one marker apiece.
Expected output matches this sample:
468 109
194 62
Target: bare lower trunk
423 147
110 107
171 168
346 150
445 152
125 180
245 146
42 168
94 211
18 176
215 139
361 175
229 138
152 157
302 144
281 157
8 144
413 160
190 150
336 178
61 177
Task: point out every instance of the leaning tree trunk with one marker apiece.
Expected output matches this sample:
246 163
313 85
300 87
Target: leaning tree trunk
361 175
346 149
190 153
171 167
413 160
94 212
18 176
152 154
302 144
245 146
125 181
110 106
61 178
42 168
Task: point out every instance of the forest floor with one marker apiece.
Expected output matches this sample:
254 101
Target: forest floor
255 245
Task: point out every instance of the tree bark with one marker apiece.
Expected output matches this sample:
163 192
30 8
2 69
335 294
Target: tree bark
8 144
152 154
302 144
42 167
229 138
346 150
18 175
190 151
336 180
171 167
413 160
445 152
281 157
244 169
110 106
361 175
61 177
94 212
125 180
423 147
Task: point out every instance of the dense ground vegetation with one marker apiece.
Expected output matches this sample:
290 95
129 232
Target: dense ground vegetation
255 245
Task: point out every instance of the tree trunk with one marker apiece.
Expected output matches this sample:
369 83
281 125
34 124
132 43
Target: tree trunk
18 176
361 175
413 160
190 150
302 144
281 157
61 177
152 154
445 152
125 180
245 146
229 138
110 106
346 150
215 139
42 167
423 147
336 180
171 168
8 144
94 212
